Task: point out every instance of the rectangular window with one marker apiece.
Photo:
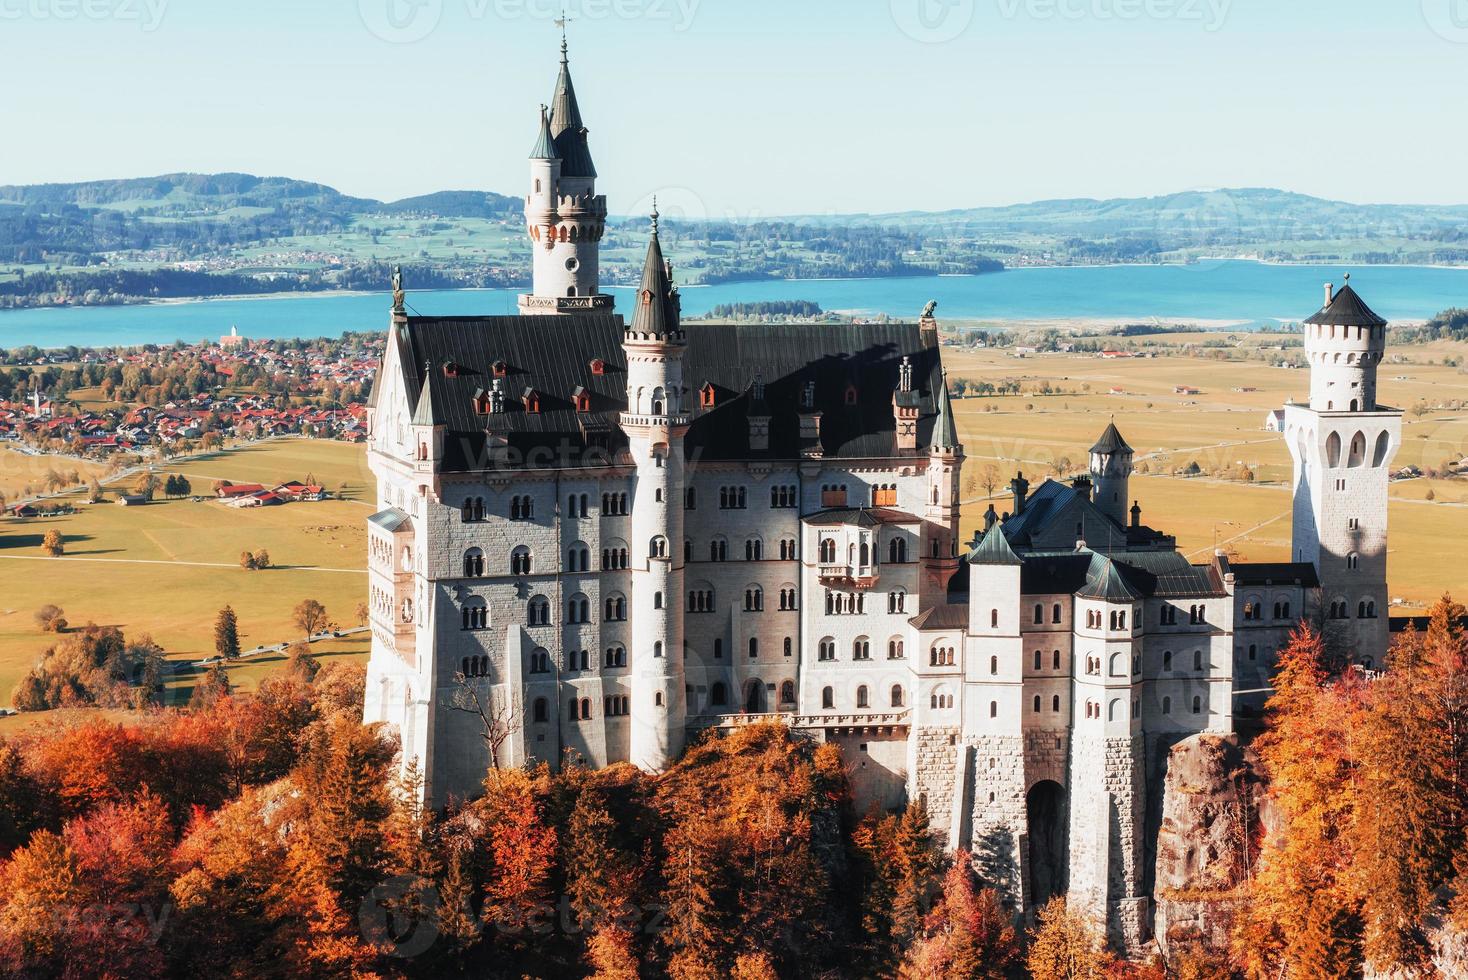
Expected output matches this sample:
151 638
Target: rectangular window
884 497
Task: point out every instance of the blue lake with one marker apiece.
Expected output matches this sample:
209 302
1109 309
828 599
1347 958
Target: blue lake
1222 290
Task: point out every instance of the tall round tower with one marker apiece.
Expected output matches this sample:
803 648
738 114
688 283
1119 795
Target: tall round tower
1111 470
656 420
1343 444
564 215
1344 343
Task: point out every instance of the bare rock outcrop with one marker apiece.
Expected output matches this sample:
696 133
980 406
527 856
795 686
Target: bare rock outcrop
1208 840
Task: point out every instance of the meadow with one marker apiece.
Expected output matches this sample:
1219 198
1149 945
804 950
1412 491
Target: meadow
166 568
1222 429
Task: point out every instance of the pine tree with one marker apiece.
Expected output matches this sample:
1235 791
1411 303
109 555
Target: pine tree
227 634
969 936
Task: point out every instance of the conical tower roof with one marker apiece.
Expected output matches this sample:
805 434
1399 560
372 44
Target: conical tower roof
1347 309
994 549
566 128
658 312
425 413
945 434
1111 442
545 146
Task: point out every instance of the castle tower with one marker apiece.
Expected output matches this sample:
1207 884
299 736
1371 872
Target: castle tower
564 216
655 422
1342 444
945 460
1111 468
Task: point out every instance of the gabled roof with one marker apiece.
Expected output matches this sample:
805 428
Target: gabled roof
555 362
942 616
1111 442
1346 309
994 549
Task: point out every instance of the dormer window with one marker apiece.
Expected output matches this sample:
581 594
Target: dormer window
531 398
501 369
450 370
582 398
481 402
851 394
706 396
598 366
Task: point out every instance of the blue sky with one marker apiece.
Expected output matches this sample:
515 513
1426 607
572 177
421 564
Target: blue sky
753 107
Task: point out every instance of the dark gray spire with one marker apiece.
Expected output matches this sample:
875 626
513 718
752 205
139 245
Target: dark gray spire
425 413
945 435
658 310
993 549
1111 442
566 127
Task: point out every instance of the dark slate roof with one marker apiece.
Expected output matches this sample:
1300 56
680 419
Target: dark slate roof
860 516
1142 573
1040 507
658 309
1275 573
1400 624
567 129
389 520
1111 442
1346 309
949 616
553 355
994 549
1105 582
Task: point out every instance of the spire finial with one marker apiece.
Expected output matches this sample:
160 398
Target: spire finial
654 214
1348 277
561 22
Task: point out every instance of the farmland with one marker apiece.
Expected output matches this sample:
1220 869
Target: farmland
166 568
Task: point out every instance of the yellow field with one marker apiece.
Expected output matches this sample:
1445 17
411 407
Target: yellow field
19 470
167 568
1219 428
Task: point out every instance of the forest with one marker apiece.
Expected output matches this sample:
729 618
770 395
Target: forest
269 834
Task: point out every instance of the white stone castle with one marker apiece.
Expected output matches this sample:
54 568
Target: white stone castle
601 535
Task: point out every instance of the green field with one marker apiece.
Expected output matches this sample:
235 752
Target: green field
166 568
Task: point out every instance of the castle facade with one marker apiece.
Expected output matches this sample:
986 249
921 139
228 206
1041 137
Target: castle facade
602 533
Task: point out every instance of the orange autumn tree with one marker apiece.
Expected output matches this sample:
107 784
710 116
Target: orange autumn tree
1411 747
969 936
522 847
1303 919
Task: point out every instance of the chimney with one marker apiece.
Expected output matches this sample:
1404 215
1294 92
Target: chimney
1082 485
1136 514
1329 293
1021 489
990 519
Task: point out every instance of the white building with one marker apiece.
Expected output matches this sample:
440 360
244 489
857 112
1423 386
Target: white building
599 535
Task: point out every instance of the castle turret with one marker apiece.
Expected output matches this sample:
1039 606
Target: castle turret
945 460
1111 469
655 422
564 216
1342 444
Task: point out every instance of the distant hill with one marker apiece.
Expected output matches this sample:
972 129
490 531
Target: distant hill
110 241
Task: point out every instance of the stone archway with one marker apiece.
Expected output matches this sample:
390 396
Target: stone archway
1047 817
754 698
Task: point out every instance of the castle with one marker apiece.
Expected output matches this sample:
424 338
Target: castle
601 533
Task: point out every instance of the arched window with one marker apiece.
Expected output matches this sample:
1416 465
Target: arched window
1037 704
862 700
993 709
1167 660
657 547
861 649
520 560
828 551
1038 661
657 648
896 695
1197 705
994 618
897 551
541 711
787 692
1113 710
718 694
615 608
753 648
894 649
993 665
539 661
1039 614
1055 702
1055 614
473 563
1197 659
1167 706
537 611
828 698
475 613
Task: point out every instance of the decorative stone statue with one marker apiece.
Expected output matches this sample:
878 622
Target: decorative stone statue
397 289
928 310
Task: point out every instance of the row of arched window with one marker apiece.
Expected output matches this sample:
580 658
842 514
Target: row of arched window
474 666
895 697
845 603
1341 609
